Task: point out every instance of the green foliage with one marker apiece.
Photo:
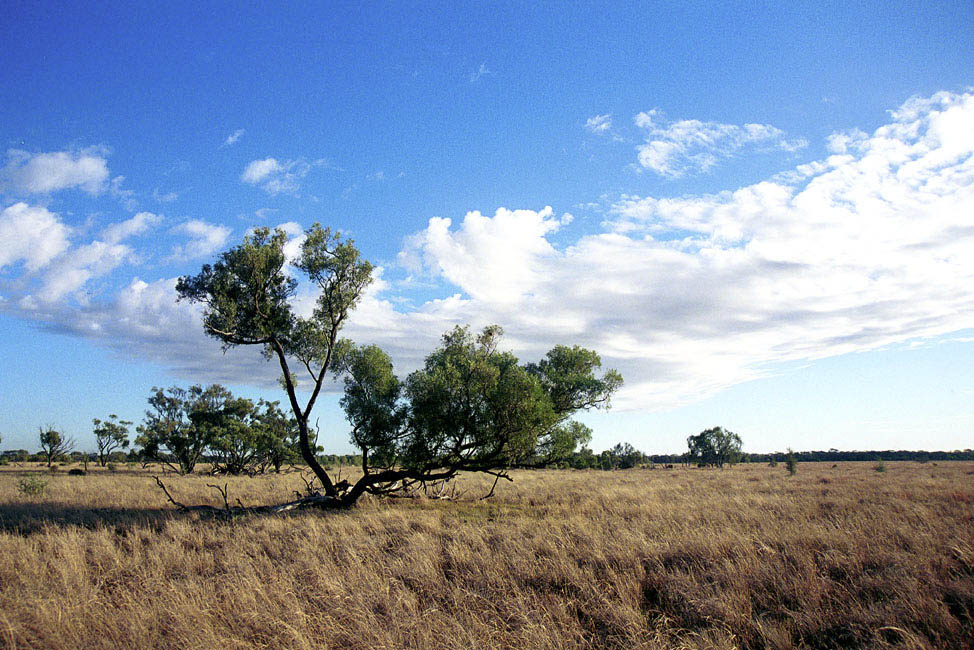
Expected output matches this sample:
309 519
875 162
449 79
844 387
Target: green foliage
239 436
110 435
183 423
714 447
32 485
16 455
471 407
880 466
247 296
621 456
791 463
372 405
567 376
54 444
474 407
278 437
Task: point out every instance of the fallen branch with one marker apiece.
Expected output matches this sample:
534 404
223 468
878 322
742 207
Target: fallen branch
312 500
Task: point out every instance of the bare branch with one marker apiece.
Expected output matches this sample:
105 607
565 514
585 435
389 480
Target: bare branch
169 496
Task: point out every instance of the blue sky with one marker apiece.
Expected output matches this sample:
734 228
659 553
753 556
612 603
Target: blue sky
759 212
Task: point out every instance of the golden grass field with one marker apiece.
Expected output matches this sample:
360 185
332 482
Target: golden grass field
746 557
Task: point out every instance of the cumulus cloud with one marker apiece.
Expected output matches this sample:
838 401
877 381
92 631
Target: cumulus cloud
674 149
71 271
493 259
276 176
690 295
42 173
32 235
205 239
685 296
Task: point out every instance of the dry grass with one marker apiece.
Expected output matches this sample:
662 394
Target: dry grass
834 557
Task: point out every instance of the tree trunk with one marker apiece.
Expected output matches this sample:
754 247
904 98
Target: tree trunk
309 457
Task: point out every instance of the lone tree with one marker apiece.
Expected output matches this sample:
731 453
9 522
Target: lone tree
714 447
110 435
247 296
471 407
54 444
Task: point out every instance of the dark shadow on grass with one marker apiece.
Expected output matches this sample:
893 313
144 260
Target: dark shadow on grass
31 518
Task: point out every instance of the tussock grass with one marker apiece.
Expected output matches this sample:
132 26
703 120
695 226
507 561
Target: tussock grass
746 557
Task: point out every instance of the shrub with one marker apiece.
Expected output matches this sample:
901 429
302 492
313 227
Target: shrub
111 467
791 463
4 461
32 485
774 462
76 472
880 466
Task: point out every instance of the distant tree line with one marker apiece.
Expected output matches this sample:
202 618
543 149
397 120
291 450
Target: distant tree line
835 456
234 435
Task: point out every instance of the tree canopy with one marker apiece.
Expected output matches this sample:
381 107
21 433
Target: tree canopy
54 444
714 447
247 298
470 407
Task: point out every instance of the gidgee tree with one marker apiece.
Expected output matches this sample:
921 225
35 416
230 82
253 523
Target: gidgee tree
247 298
470 408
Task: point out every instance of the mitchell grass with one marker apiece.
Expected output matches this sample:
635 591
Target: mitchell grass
745 557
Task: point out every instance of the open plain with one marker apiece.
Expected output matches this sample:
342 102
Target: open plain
837 556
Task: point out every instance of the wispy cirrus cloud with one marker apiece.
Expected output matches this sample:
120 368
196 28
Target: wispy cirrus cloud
479 73
233 137
599 124
677 148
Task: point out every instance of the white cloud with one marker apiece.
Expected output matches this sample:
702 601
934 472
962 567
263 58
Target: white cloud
42 173
493 259
260 170
71 271
477 74
674 149
684 296
31 234
688 296
167 197
274 176
233 137
124 196
205 239
137 225
599 124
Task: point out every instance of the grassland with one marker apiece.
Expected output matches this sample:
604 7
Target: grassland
747 557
